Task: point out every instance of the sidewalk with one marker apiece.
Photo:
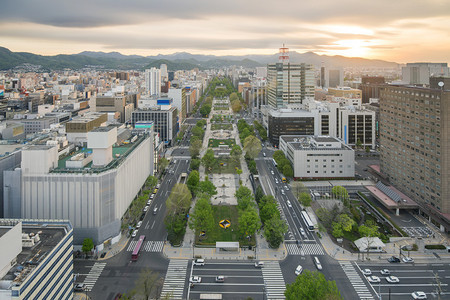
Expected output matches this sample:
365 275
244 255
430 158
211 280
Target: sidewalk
114 249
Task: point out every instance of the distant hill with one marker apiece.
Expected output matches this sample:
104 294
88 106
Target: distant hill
175 61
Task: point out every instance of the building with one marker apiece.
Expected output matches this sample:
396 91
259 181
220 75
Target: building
261 72
179 101
12 131
78 128
257 97
331 77
370 87
164 73
153 81
92 187
36 260
114 103
414 143
344 91
37 124
420 73
318 156
441 83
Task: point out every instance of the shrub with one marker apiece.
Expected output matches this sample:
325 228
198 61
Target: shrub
435 247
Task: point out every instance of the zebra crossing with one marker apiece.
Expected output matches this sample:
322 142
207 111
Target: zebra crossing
305 249
356 281
175 279
93 275
149 246
273 280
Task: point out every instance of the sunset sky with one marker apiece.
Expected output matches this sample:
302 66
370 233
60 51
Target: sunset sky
400 31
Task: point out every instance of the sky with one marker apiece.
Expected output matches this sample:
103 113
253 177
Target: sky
393 30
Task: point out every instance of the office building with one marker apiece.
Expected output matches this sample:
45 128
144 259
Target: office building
261 72
36 260
153 82
318 156
164 73
78 128
420 73
344 91
331 77
414 144
179 101
114 103
370 87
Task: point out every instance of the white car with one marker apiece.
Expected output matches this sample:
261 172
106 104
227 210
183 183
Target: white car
134 233
289 204
407 259
199 262
152 196
195 279
158 186
146 208
419 295
373 279
271 172
276 180
80 287
385 272
392 279
139 224
299 270
149 202
286 187
302 232
367 272
282 192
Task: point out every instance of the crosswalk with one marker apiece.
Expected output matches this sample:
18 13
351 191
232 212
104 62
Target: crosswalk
273 280
305 249
93 275
149 246
175 279
356 281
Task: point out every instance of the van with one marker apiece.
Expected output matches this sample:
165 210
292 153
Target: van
155 210
259 264
317 262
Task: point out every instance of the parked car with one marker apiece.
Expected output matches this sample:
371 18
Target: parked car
419 295
149 202
139 224
392 279
393 259
298 270
199 262
79 287
146 208
220 278
407 259
374 279
158 186
367 272
134 233
195 279
385 272
152 196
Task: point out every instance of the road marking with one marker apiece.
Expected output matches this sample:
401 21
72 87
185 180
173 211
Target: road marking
153 224
93 275
273 280
175 279
356 281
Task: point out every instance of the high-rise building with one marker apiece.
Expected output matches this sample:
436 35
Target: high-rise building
345 91
414 143
261 72
164 73
289 83
153 81
331 77
420 73
370 87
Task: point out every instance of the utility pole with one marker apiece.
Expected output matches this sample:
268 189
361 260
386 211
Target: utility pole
438 285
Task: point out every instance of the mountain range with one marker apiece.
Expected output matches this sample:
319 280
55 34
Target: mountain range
175 61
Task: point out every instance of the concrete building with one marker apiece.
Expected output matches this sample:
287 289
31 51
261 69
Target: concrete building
370 87
12 130
289 83
331 77
78 128
414 147
179 101
153 81
420 73
344 91
92 187
37 124
318 156
164 73
257 97
36 260
261 72
112 103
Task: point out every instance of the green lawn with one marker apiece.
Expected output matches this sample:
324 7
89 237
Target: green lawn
221 126
229 166
219 234
214 143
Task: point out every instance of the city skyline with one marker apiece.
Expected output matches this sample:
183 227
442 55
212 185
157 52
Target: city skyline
385 30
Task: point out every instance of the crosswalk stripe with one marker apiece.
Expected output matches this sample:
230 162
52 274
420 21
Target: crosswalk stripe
148 246
273 280
305 249
356 281
175 279
93 275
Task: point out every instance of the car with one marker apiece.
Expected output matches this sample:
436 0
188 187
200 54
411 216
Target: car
282 192
407 259
286 187
264 154
199 262
155 210
195 279
367 272
118 296
317 263
220 278
142 217
259 264
289 204
139 224
385 272
158 186
373 279
392 279
155 191
419 295
146 208
298 270
276 180
152 196
302 232
271 172
134 233
393 259
149 202
79 287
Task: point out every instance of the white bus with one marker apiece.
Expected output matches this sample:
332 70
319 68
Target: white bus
308 222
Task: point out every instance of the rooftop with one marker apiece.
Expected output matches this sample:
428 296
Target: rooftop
308 142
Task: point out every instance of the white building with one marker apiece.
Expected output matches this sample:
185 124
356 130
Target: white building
153 81
318 156
420 73
164 73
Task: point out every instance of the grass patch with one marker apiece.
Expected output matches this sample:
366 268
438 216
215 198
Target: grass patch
231 234
214 143
229 166
221 126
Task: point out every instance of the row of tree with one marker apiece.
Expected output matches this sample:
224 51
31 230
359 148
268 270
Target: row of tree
283 164
196 141
261 130
248 220
177 208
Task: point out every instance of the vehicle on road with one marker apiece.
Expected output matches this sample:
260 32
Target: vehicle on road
393 259
155 210
79 287
289 204
276 180
367 272
195 279
155 191
286 187
298 270
152 196
149 202
407 259
282 192
374 279
158 186
199 262
392 279
146 208
134 233
307 220
138 224
259 264
271 172
419 295
283 180
220 278
385 272
264 154
302 232
317 262
137 248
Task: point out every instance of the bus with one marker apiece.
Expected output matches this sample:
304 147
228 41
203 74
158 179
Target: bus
274 163
137 248
308 222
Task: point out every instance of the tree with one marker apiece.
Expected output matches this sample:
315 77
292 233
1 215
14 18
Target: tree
312 285
208 159
202 218
337 230
277 155
207 187
287 170
252 146
151 181
233 97
369 230
346 222
268 211
341 193
88 245
179 199
358 143
193 181
205 109
198 132
305 199
243 192
163 163
195 148
236 106
249 222
274 230
195 163
146 285
259 193
236 153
